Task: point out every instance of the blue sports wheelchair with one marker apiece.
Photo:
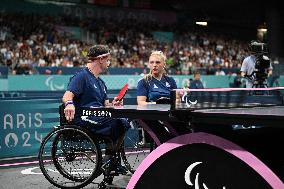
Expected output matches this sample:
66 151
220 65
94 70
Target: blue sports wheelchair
71 156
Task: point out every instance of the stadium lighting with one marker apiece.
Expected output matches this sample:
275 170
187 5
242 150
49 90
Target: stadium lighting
201 23
262 29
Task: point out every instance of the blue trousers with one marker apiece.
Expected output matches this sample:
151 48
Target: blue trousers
111 127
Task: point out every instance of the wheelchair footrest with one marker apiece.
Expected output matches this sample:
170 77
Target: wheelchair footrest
113 168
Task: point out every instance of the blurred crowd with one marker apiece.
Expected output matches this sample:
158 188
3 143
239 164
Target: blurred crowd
30 41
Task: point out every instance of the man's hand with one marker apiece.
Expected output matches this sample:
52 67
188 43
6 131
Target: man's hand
269 73
243 74
116 102
69 112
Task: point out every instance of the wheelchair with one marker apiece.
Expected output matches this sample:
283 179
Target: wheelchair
71 156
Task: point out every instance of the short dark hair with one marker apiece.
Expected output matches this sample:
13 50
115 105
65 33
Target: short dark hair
98 50
196 73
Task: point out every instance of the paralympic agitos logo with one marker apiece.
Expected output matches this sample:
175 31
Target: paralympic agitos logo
50 83
185 98
196 184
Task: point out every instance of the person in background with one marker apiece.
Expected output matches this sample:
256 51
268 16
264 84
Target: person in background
248 65
196 82
238 81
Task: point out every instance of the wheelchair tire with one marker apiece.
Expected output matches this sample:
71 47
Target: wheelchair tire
134 151
66 150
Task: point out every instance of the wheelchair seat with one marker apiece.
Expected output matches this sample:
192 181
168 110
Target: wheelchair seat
63 122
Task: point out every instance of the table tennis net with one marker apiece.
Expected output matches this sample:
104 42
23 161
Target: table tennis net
227 98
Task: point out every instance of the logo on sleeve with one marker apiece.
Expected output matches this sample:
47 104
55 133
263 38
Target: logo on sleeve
155 86
167 84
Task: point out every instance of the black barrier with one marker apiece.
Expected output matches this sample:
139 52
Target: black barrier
130 97
202 160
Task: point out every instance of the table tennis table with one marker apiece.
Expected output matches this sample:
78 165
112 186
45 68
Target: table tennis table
196 142
266 116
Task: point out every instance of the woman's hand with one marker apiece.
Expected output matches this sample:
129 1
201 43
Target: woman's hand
179 95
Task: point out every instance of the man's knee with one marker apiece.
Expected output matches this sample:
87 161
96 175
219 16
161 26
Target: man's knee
124 123
120 129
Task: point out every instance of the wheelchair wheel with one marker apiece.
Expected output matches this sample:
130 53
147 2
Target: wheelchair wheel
134 150
69 157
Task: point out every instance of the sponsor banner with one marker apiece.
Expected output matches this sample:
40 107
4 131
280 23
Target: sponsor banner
37 82
60 82
73 70
121 14
24 124
30 95
3 84
87 11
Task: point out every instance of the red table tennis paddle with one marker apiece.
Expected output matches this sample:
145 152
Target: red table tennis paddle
122 92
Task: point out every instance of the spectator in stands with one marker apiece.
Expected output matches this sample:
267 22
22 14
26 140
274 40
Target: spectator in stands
238 81
87 89
132 44
196 82
156 85
219 71
59 72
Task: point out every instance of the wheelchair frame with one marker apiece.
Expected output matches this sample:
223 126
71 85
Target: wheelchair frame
74 146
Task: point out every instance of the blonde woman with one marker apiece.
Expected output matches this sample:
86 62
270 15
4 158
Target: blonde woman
156 85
